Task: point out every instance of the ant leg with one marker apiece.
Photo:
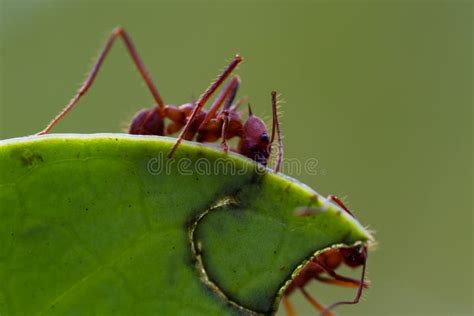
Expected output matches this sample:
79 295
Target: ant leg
117 32
290 311
339 277
215 125
202 100
276 127
225 126
351 284
232 94
339 202
313 301
227 94
359 290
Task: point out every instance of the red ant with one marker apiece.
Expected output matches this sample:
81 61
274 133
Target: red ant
207 126
327 262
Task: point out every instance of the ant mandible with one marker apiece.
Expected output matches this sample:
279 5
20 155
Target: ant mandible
207 126
327 262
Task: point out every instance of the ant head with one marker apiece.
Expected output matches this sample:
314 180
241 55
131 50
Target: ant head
255 144
147 122
354 256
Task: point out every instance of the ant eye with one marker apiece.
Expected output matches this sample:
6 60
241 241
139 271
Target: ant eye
264 138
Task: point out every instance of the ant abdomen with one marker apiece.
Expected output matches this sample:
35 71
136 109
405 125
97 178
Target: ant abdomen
147 122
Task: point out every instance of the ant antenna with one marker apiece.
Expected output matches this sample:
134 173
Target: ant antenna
359 290
117 32
276 127
203 99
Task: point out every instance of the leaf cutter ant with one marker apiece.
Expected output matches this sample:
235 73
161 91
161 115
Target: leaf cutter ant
326 263
191 119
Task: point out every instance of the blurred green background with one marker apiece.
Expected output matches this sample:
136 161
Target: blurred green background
379 92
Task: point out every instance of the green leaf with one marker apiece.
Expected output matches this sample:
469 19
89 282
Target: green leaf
105 224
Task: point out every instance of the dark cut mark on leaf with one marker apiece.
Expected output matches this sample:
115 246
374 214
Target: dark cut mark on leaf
196 250
32 158
27 157
308 211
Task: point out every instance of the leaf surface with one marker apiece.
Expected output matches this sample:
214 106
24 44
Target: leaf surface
105 224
